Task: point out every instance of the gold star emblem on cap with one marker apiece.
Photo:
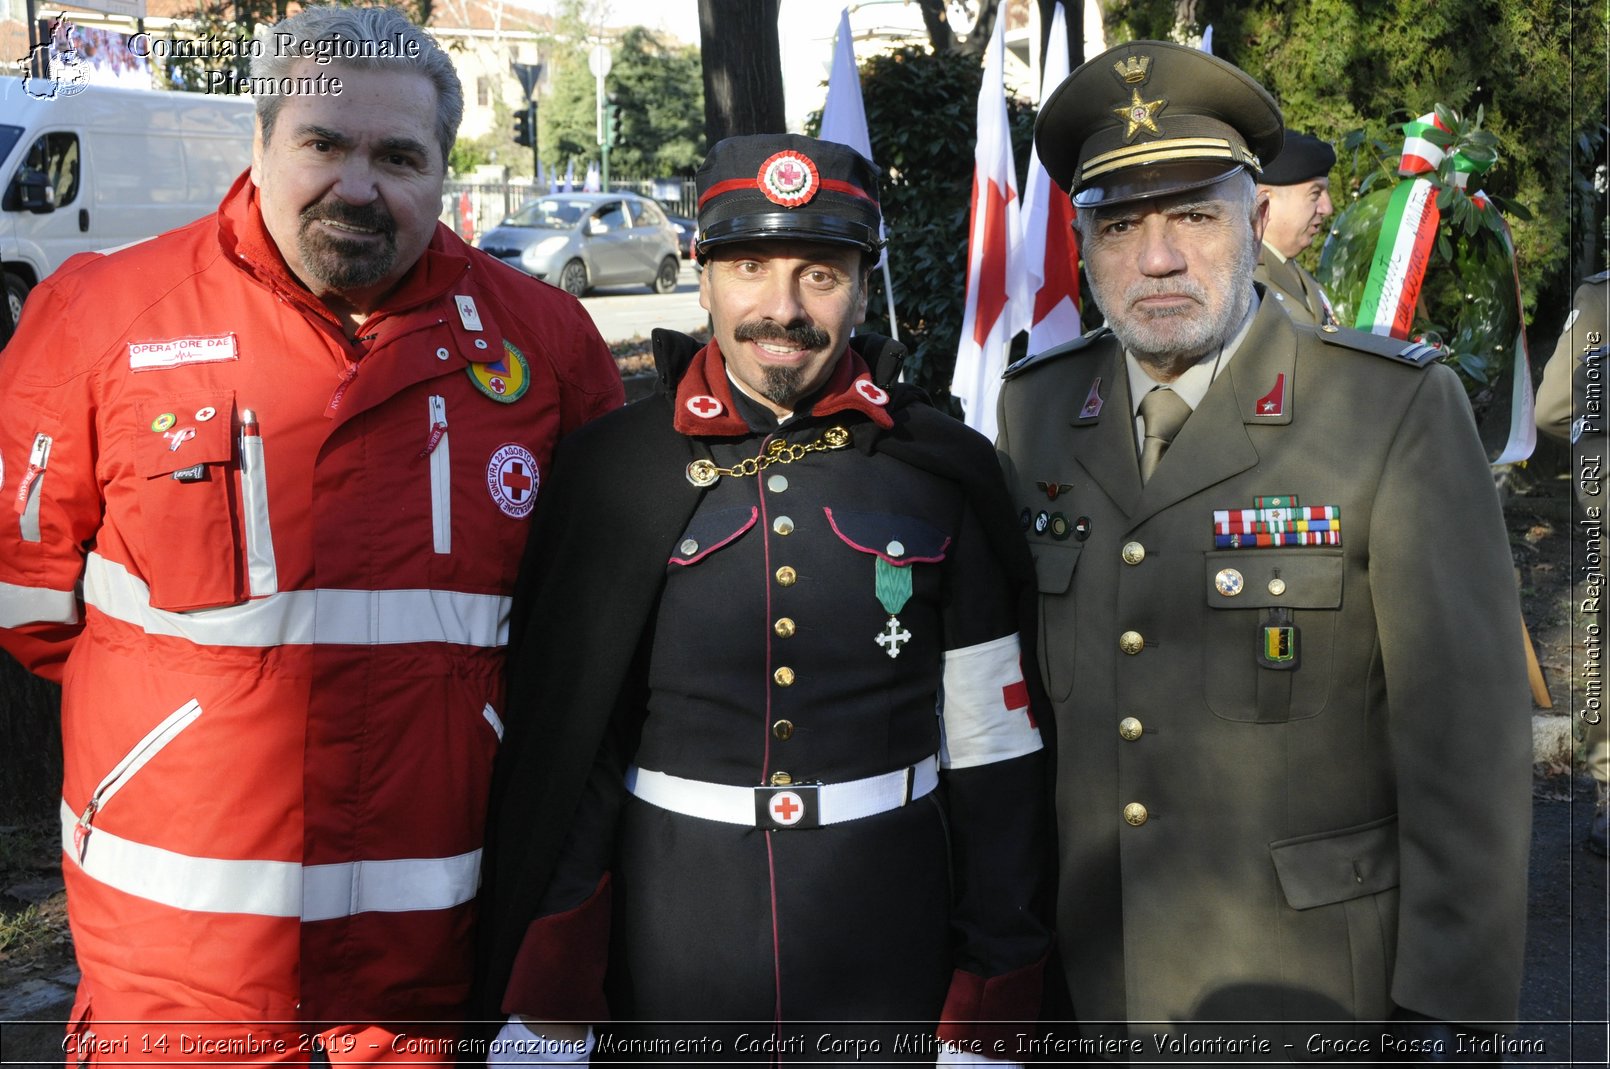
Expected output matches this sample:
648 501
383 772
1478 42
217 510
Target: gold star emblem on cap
1140 113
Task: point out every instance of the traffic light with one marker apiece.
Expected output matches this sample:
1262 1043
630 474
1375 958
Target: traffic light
612 124
522 128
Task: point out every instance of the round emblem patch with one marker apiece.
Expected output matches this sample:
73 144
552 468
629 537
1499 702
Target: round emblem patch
164 422
786 808
704 406
789 178
871 391
1228 582
505 380
511 478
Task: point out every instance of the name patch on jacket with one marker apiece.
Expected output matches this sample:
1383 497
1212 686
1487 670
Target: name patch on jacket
153 355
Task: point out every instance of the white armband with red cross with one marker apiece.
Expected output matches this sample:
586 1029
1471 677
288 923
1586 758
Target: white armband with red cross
984 706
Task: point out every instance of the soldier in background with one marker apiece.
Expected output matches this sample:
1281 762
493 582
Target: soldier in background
1297 183
1563 412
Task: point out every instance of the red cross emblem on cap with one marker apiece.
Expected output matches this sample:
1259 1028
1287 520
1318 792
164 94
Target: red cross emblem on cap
871 391
788 178
786 808
704 406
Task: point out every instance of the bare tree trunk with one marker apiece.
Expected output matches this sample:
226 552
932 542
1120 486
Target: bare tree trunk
743 69
941 35
1074 16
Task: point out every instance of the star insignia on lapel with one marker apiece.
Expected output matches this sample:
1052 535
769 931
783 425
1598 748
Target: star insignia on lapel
1140 114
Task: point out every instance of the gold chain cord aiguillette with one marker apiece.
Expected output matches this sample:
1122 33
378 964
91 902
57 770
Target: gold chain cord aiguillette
705 472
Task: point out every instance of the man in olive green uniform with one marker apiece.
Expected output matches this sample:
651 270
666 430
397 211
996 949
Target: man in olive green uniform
1279 623
1297 182
1564 411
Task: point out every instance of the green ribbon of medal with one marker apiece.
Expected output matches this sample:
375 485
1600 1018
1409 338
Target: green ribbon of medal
892 584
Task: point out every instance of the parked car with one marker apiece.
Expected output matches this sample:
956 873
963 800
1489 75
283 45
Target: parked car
577 241
686 231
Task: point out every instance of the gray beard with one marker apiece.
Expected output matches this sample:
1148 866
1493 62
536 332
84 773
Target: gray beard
1171 353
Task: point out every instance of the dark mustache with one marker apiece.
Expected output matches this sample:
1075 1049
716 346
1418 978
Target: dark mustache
802 334
365 216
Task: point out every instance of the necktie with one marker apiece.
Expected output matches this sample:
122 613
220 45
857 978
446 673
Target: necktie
1165 412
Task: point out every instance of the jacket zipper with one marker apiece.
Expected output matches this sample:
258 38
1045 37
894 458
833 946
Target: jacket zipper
441 477
28 490
261 570
147 748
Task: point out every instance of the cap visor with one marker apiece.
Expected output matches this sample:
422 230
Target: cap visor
1154 180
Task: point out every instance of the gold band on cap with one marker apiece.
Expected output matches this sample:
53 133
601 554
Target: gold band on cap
1176 148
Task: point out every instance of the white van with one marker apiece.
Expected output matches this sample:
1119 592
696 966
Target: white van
102 167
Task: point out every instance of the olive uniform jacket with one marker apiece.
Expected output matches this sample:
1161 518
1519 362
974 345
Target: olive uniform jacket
1297 291
1293 782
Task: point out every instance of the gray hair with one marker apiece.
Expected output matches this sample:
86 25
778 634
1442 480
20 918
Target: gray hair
364 38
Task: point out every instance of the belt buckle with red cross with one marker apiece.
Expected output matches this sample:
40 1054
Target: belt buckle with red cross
794 806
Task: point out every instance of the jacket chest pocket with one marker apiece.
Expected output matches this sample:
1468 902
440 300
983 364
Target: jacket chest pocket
1054 565
202 506
1270 632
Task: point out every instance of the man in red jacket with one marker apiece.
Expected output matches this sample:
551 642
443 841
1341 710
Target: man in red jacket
270 476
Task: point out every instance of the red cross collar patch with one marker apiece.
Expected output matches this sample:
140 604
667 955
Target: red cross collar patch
789 178
850 387
704 406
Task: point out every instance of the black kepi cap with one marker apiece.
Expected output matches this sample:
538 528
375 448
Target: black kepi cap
1151 118
1303 159
785 186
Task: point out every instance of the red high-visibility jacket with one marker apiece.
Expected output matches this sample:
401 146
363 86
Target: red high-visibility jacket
272 569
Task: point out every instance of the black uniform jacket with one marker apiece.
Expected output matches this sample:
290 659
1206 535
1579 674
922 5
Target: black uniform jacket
620 494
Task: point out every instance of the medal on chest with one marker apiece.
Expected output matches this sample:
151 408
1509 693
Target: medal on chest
893 587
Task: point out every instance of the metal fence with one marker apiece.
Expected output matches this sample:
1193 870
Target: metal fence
473 208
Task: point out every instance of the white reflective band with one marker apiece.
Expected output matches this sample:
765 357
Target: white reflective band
260 568
492 718
400 886
201 884
272 888
836 802
307 617
985 706
35 605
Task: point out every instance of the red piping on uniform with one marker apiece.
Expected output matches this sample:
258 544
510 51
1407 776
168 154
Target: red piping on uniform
735 184
776 954
853 544
697 557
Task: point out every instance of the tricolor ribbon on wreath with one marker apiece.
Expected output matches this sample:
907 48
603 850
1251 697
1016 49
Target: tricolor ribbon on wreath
1403 251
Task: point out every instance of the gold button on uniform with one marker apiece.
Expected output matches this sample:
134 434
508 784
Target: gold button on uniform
1134 552
784 628
783 729
777 483
781 779
1135 814
688 547
1131 642
1277 587
786 576
784 676
783 525
1130 728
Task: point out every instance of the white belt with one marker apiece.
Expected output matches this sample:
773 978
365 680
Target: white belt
796 805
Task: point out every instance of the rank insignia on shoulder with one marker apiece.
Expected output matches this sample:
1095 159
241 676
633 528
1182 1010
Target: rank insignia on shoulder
1413 353
505 380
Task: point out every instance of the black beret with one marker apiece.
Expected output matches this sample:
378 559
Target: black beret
785 186
1303 159
1151 118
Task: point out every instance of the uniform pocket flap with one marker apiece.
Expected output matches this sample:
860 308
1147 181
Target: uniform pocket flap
184 432
1270 578
1054 565
1334 866
709 531
900 540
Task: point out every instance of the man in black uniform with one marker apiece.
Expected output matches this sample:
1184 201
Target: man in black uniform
775 608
